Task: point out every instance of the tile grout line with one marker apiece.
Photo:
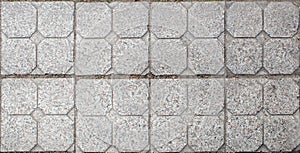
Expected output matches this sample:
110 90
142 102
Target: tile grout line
74 77
0 75
149 80
225 76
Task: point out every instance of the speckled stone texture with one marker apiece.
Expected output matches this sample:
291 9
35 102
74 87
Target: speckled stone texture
150 77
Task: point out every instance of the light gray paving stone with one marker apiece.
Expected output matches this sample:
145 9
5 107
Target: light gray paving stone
93 20
206 56
18 133
130 97
280 96
206 133
94 134
282 132
56 133
55 56
281 56
206 19
93 97
56 96
244 133
244 19
55 19
168 20
206 97
168 56
19 96
130 56
130 19
18 19
93 56
244 56
168 133
18 56
168 96
130 133
244 96
281 19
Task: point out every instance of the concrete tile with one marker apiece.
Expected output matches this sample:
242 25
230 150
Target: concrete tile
280 96
244 96
206 133
130 97
93 97
130 19
55 19
244 56
168 96
206 97
93 56
93 20
206 19
18 19
18 56
244 133
206 56
168 20
130 56
244 19
281 56
168 133
281 19
168 56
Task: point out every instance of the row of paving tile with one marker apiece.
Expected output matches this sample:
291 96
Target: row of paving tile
138 114
162 38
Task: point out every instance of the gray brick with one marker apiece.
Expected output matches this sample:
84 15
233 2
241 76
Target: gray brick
244 19
130 56
130 19
206 19
93 20
281 19
206 56
281 56
168 56
18 19
168 20
244 56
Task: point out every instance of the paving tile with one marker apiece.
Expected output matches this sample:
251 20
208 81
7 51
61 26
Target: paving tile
55 19
281 19
18 19
244 56
206 97
205 56
93 56
244 19
130 56
93 20
168 133
280 96
130 19
131 133
168 56
281 56
244 96
206 133
93 97
282 132
168 96
244 133
206 19
168 20
94 133
18 133
130 97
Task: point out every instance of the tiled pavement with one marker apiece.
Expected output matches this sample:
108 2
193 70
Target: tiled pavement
150 77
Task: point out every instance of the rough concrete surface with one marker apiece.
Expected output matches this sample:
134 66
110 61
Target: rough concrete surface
201 76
